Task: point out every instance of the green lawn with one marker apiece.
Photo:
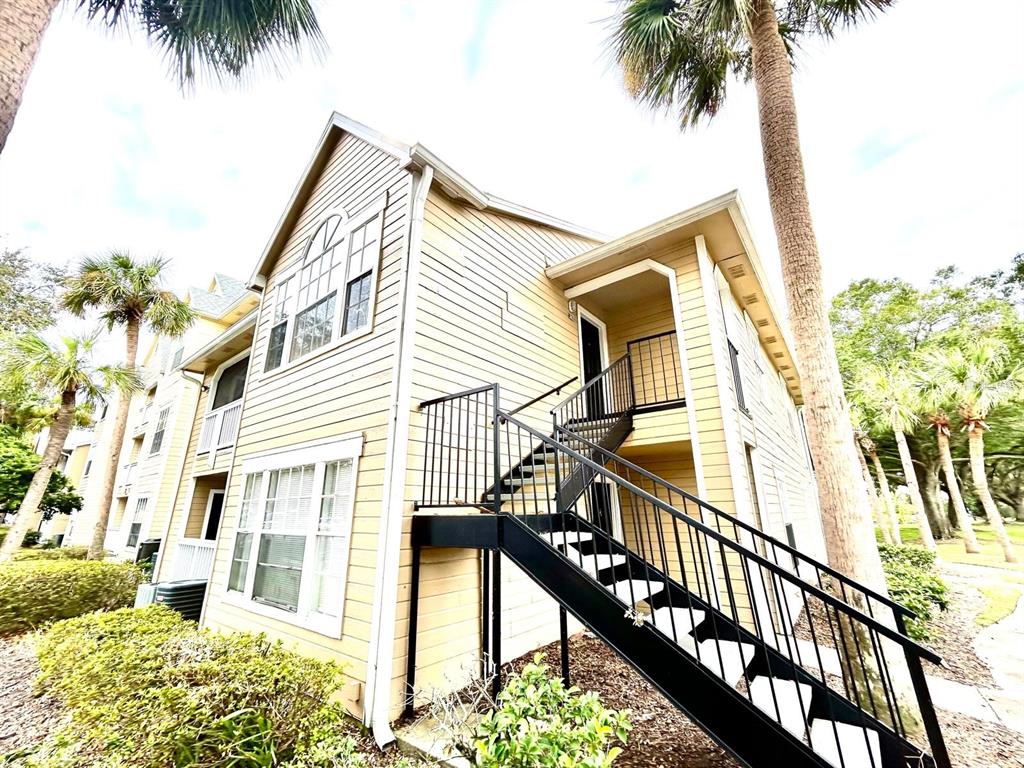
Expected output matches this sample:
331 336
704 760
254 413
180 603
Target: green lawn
1001 599
991 555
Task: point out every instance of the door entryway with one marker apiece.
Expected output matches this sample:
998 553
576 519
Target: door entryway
592 357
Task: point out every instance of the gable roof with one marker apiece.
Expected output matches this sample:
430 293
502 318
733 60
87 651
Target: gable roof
224 293
415 156
724 223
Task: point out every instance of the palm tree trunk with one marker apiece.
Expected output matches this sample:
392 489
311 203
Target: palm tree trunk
1020 508
976 441
97 550
846 514
28 512
890 502
915 492
953 486
22 24
928 482
877 506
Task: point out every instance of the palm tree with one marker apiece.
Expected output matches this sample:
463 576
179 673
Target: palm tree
680 55
879 506
978 380
66 370
934 400
891 395
130 294
869 447
226 40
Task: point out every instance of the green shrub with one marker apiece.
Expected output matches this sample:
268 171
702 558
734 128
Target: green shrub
58 553
538 722
913 582
31 538
35 592
147 688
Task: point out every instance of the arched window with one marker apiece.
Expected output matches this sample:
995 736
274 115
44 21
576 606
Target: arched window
330 296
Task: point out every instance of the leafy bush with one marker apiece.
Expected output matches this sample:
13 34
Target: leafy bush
146 688
57 553
913 582
31 538
35 592
538 722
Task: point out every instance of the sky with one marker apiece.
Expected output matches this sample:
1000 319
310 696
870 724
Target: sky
912 130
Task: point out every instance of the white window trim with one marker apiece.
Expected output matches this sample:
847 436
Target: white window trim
211 394
318 454
167 427
133 503
337 340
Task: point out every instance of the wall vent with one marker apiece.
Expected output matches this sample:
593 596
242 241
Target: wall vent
750 298
777 355
770 339
763 322
736 270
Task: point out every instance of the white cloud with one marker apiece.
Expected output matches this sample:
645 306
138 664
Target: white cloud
910 127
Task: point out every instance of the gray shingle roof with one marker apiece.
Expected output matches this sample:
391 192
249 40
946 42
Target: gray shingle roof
215 303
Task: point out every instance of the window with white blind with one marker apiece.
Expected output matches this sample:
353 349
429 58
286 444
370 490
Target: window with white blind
158 433
135 526
290 553
330 296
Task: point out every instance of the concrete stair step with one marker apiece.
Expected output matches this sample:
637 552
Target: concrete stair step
681 620
793 699
631 591
859 746
726 658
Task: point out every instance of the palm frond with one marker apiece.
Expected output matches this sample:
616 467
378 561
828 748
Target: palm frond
168 315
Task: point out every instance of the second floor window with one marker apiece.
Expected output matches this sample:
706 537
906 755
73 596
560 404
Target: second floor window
231 383
331 294
158 433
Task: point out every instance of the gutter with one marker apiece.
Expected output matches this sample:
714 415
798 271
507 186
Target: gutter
381 655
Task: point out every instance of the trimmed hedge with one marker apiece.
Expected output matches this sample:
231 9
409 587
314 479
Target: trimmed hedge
913 582
35 592
56 553
146 688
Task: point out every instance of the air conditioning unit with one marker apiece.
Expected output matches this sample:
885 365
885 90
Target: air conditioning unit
145 595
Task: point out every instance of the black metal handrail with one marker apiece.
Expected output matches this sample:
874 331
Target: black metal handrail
557 390
755 532
696 567
660 537
656 370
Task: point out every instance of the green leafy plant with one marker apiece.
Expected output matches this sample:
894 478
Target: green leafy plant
540 722
145 687
36 592
55 553
913 582
18 463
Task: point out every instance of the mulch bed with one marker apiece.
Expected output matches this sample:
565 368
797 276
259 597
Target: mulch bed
25 719
952 636
972 742
662 736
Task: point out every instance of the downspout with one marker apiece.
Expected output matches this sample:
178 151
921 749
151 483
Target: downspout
382 626
177 486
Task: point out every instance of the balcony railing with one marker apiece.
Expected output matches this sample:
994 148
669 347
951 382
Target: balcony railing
142 414
127 476
193 559
220 427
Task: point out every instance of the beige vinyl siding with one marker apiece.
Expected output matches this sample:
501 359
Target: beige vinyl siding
486 313
338 391
773 429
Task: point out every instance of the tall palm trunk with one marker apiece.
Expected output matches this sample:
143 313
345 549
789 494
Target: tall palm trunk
890 502
22 24
28 512
877 505
963 518
97 549
976 441
915 492
846 514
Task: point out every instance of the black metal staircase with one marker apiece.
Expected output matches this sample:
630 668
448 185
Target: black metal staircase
704 606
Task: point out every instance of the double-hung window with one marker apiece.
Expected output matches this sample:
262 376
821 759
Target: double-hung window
135 527
158 433
290 553
330 296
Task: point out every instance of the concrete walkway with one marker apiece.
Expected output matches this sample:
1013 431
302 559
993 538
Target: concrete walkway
1001 646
